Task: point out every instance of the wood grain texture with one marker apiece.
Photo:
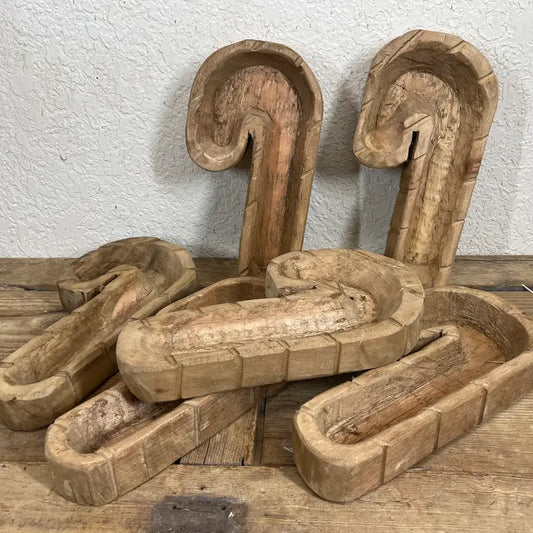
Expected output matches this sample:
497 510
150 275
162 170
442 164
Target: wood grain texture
234 445
476 358
481 481
493 272
55 370
326 312
429 103
263 93
113 442
489 272
275 447
420 500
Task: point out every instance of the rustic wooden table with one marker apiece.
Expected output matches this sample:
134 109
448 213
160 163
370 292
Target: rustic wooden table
481 482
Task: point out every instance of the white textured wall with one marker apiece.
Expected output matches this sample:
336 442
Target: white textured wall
93 99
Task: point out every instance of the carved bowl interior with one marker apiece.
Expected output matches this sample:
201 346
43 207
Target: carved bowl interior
473 358
57 369
325 312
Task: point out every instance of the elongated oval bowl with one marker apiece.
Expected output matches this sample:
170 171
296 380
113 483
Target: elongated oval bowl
476 358
325 312
114 442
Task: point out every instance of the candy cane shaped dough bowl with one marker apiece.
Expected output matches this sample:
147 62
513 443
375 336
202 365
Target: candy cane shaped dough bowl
264 95
475 358
130 278
429 104
325 312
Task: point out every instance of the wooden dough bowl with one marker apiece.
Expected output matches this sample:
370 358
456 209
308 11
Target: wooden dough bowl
429 103
476 358
326 312
114 442
261 95
54 371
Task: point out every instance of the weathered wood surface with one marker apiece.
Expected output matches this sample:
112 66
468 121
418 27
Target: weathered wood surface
476 358
428 498
327 312
113 442
493 272
429 103
482 481
275 448
263 93
230 447
54 371
39 277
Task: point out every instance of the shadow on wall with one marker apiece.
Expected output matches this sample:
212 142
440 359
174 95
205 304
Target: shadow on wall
363 198
337 168
220 201
343 183
498 176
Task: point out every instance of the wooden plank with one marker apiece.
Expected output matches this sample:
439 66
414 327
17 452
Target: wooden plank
474 271
277 500
21 302
279 412
493 271
234 445
211 269
26 273
523 300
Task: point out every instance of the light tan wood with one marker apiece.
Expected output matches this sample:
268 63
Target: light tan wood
236 442
265 94
114 442
54 371
278 501
233 445
21 302
475 358
32 273
39 276
326 312
429 103
273 443
499 272
486 476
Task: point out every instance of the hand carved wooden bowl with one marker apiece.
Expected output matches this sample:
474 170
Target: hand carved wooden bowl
478 359
114 442
429 104
326 312
264 95
54 371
